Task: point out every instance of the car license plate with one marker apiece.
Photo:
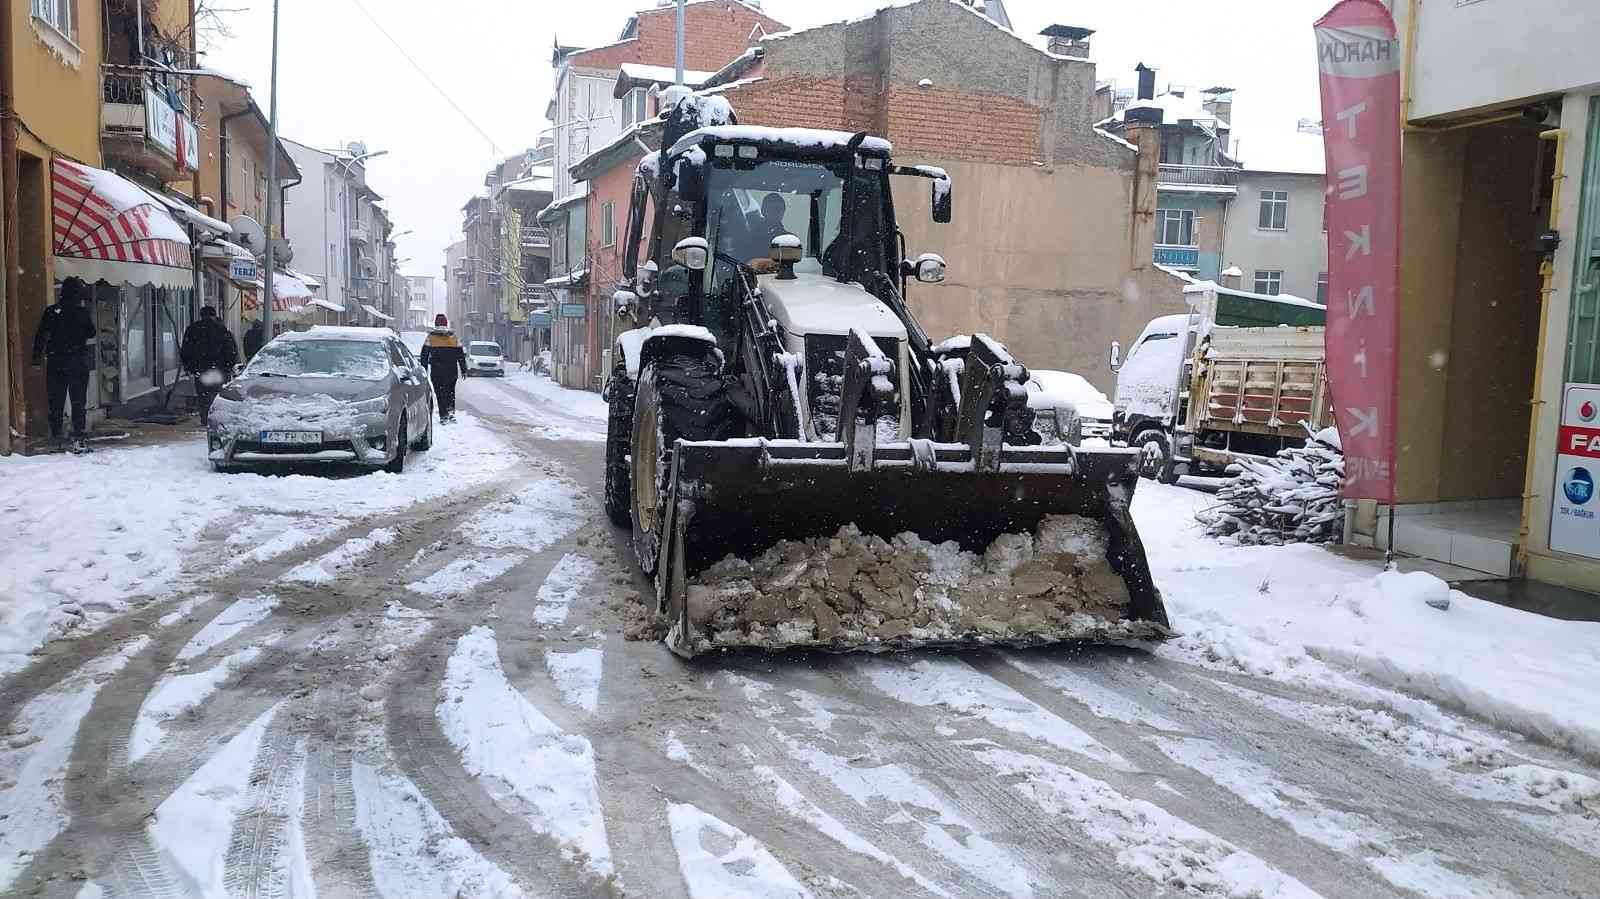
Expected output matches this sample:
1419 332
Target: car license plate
291 436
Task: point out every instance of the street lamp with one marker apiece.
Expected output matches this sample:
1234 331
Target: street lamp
347 163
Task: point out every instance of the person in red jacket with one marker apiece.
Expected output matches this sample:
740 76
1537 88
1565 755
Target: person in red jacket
444 358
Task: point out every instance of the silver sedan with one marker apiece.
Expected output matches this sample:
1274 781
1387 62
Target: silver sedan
335 395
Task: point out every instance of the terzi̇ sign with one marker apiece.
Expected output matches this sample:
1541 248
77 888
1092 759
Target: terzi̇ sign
1359 58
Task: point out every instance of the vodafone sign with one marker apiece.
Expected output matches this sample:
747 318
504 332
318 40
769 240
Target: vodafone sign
1574 522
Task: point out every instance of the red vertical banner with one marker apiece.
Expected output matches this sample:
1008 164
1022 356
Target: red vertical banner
1358 56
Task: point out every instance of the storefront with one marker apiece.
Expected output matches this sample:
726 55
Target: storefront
125 242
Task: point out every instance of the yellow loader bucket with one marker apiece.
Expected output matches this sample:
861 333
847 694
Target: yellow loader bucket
779 543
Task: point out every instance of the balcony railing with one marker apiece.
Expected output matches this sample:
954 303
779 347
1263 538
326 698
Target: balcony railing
535 236
142 120
1177 257
1210 178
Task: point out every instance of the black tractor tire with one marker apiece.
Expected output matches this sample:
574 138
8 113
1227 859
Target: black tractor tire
680 396
619 444
397 465
1155 456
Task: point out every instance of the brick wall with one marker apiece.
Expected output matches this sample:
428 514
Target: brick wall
961 125
716 32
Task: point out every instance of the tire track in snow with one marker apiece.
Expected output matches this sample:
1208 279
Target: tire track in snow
266 854
887 797
718 860
36 755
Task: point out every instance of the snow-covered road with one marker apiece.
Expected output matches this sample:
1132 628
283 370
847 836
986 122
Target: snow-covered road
419 685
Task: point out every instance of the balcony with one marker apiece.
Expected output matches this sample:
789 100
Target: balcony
360 233
140 125
1177 257
535 236
1206 179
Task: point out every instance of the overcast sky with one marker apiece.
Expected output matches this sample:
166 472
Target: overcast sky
342 80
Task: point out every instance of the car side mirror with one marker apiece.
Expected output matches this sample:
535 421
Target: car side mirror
1116 356
941 201
623 302
692 253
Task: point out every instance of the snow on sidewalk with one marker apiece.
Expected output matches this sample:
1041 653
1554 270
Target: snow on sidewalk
89 537
525 761
1306 616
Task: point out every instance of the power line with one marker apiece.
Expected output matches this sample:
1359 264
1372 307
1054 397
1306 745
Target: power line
426 77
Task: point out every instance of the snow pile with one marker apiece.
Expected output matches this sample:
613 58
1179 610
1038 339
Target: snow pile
854 590
1293 498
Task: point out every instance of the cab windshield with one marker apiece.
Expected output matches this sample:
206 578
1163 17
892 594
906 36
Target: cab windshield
751 203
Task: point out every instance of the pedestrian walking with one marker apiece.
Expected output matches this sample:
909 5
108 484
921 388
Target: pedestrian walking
444 359
208 355
63 344
255 337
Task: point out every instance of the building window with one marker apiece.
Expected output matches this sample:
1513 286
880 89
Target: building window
1269 282
1274 210
1175 227
62 15
608 229
634 106
1322 288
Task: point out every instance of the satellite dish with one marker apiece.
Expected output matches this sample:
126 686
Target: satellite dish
247 233
282 252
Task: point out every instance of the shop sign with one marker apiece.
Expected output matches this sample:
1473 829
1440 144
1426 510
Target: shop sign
160 123
573 310
1574 522
242 270
539 319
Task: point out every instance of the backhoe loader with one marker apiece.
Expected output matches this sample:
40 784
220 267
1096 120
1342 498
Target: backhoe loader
799 464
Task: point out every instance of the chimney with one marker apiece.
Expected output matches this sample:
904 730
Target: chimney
1068 40
1147 82
1219 102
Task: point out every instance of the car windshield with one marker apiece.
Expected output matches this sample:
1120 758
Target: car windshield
484 349
363 360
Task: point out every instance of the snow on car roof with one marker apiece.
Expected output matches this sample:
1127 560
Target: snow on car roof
806 138
329 332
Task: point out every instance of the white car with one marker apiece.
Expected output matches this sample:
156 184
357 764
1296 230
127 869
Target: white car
483 358
1067 408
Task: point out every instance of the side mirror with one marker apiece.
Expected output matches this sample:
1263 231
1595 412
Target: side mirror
941 200
623 302
929 268
692 253
645 282
786 250
691 176
1116 356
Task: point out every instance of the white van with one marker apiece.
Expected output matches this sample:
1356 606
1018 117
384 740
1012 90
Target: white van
484 358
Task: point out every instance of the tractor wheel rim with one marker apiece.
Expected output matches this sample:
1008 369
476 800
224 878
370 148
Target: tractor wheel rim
645 483
1152 456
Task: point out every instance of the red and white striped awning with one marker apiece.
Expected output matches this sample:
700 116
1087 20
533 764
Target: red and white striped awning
109 229
289 294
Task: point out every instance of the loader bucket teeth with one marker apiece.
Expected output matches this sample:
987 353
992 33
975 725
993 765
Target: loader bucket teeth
773 501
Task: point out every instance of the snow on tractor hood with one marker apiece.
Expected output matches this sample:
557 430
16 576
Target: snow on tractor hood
817 304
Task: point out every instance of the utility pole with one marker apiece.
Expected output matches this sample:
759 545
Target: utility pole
272 180
680 42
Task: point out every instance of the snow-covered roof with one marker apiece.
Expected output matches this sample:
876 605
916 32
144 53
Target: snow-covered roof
564 202
1280 150
304 278
800 137
329 305
993 13
634 71
1180 275
534 184
1282 298
1175 109
567 280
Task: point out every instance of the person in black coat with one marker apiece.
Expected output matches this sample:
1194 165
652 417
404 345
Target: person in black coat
255 337
64 345
443 356
209 355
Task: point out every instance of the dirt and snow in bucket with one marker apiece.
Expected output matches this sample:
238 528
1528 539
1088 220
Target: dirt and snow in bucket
852 589
528 764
